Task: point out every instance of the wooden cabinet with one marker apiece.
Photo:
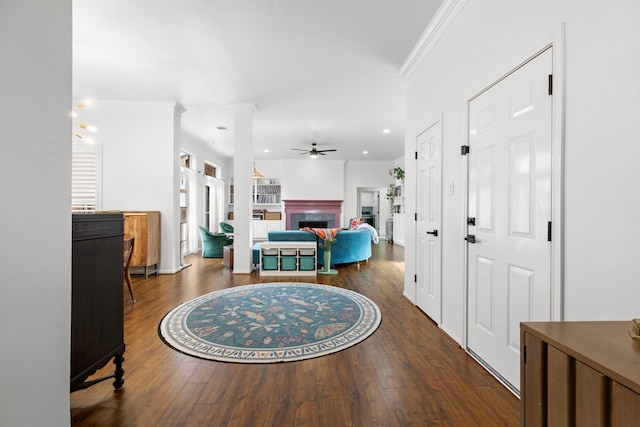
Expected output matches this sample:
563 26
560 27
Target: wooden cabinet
579 373
145 227
97 316
261 228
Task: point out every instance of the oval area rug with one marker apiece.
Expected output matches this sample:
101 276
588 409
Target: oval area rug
270 322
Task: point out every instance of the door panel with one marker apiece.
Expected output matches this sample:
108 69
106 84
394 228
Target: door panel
485 168
429 223
519 198
509 266
519 288
484 301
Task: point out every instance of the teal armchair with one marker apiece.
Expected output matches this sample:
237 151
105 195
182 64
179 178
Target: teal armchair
213 244
226 228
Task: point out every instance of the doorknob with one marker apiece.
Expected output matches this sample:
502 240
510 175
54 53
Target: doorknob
434 233
470 238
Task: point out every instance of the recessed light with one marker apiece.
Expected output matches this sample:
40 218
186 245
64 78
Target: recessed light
266 150
365 152
386 130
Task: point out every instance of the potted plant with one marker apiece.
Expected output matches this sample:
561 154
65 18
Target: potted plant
397 173
390 196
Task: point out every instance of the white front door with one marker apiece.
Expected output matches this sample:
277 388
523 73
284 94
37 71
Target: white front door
429 223
509 265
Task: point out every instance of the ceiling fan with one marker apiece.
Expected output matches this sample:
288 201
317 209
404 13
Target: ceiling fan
314 152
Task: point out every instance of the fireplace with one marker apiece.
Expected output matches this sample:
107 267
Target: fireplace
314 212
313 224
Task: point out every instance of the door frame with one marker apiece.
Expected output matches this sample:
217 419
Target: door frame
556 42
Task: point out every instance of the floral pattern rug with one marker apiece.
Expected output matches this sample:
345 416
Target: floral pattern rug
270 322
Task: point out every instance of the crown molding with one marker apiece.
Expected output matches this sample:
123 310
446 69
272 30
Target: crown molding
445 15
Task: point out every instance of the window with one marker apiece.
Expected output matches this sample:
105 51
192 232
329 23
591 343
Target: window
185 160
213 203
207 206
85 178
210 170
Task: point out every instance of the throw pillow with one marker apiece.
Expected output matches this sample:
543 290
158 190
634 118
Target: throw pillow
354 223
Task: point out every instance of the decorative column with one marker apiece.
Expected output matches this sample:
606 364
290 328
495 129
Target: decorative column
242 170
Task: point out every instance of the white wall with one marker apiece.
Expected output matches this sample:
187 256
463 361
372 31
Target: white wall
35 186
363 174
309 179
601 150
368 198
270 168
140 164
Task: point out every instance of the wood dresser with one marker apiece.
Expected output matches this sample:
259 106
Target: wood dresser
145 228
97 307
579 374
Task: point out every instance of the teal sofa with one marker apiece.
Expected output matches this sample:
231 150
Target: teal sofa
213 244
351 245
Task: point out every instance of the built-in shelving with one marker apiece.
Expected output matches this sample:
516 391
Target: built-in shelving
398 213
266 194
266 201
267 191
398 198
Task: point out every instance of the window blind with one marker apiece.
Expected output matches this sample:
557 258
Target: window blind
85 178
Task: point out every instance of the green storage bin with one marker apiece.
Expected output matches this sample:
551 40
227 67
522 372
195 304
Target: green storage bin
288 263
269 262
307 263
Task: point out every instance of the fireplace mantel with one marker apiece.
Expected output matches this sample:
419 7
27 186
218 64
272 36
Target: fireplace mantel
332 207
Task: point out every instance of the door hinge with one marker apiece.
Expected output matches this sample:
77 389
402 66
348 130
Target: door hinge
524 355
550 84
464 150
549 231
415 278
416 155
415 216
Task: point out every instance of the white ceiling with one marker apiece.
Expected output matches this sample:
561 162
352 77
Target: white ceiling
322 71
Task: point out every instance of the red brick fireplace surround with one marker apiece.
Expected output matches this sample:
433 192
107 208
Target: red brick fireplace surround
327 210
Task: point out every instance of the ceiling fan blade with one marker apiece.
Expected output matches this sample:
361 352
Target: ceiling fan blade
306 152
299 149
326 151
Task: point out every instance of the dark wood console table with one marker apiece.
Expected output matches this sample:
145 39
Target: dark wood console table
97 312
579 374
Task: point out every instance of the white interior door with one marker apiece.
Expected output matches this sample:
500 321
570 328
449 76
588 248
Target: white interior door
429 221
509 265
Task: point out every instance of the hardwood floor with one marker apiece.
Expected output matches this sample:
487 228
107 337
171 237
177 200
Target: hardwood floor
408 373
